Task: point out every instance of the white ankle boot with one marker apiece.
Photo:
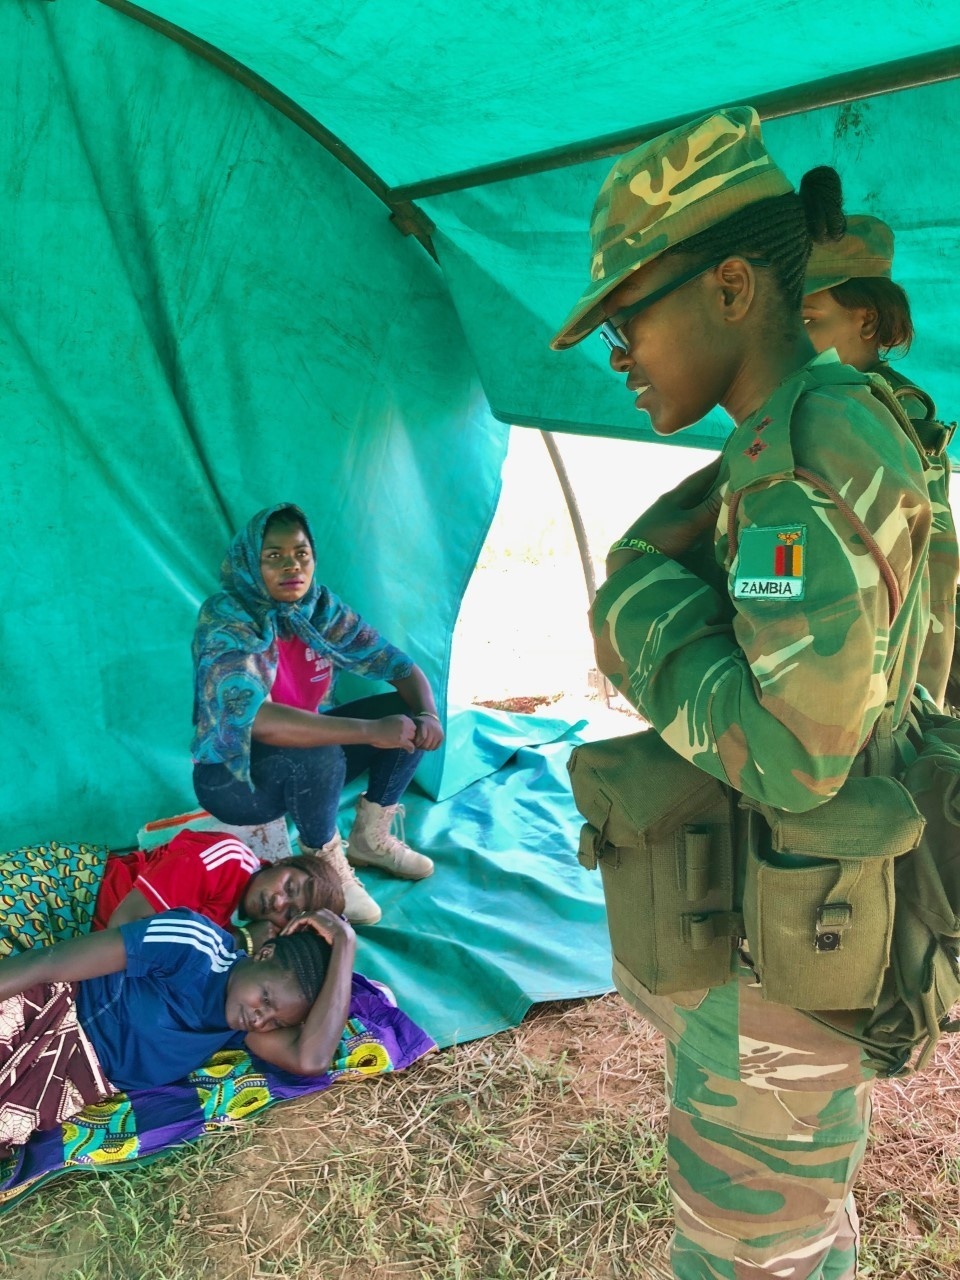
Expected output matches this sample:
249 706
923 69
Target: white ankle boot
372 843
358 906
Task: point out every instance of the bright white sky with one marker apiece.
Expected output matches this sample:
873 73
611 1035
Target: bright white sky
522 628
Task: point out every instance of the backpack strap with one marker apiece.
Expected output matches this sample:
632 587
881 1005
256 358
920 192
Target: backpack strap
907 391
881 753
890 400
932 435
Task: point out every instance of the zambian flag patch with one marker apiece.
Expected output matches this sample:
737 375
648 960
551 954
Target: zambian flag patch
771 563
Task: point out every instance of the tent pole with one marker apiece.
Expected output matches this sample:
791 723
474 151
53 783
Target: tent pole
573 508
407 217
594 677
868 82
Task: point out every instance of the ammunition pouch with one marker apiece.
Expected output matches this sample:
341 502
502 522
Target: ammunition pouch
818 902
661 832
851 911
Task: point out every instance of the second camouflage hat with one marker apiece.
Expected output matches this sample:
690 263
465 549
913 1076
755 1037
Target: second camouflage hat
865 250
667 191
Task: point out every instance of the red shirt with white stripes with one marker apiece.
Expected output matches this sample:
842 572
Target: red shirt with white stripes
206 871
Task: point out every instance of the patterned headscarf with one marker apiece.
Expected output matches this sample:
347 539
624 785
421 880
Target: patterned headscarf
235 651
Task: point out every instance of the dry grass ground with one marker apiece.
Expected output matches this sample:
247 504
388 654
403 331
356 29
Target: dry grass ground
533 1155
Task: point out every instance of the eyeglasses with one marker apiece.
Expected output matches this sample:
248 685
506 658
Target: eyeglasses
611 329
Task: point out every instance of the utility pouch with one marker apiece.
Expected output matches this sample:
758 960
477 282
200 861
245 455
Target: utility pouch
818 901
661 832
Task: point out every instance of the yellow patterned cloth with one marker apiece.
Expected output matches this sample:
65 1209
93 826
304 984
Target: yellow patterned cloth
48 893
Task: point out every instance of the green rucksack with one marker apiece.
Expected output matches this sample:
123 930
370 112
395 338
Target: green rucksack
921 985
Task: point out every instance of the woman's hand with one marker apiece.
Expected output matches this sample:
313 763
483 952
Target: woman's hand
415 690
429 733
677 518
325 923
392 732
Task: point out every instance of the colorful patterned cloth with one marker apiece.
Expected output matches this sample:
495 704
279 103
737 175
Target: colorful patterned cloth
49 1068
140 1125
47 893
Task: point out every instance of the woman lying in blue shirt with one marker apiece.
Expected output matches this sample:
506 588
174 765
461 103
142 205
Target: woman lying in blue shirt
147 1003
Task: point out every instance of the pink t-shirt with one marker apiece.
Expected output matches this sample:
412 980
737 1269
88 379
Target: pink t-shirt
303 676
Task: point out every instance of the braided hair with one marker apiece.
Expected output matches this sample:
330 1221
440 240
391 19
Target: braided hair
781 230
307 956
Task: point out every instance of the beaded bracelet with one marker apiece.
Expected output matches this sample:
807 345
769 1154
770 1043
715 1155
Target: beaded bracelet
247 937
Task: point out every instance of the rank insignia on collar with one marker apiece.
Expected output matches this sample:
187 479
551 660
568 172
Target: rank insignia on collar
770 563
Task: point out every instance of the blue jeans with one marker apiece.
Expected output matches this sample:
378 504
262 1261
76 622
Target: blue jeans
306 782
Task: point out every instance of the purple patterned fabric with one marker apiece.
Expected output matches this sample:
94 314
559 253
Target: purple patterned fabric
129 1127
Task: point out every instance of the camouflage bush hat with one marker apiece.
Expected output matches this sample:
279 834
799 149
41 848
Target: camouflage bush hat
866 250
667 191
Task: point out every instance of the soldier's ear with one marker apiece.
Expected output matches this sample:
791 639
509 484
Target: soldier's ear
738 285
869 323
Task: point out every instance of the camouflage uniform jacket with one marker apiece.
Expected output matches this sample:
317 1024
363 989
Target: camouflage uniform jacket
944 561
775 689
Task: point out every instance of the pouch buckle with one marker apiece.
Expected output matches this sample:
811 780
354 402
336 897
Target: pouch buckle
832 919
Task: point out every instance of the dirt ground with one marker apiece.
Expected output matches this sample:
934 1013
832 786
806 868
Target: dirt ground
561 1121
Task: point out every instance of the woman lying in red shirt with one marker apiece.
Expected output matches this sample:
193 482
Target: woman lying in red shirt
216 875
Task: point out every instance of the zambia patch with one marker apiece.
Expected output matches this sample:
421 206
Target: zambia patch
771 563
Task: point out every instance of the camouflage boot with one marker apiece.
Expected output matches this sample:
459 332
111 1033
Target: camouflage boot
372 843
359 907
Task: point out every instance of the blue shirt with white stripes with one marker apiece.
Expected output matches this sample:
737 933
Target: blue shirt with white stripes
164 1014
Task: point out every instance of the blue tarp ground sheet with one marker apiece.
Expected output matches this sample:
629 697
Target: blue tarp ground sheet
509 918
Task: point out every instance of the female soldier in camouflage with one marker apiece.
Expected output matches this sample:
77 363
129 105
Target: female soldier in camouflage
761 616
853 306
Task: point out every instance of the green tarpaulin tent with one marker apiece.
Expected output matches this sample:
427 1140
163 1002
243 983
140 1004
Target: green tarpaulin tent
287 251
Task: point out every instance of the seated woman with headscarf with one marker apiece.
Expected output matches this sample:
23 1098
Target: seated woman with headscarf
267 740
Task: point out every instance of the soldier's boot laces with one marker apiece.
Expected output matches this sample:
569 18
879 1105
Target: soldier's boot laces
373 844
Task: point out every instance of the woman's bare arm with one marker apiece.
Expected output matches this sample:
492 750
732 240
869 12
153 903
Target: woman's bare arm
281 726
133 907
308 1050
90 957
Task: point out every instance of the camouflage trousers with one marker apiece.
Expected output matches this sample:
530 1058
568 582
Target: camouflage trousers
769 1118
